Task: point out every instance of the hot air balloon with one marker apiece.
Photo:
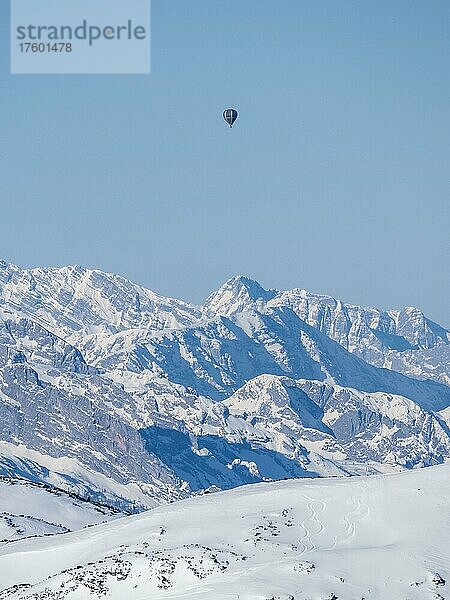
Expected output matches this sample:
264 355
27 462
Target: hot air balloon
230 115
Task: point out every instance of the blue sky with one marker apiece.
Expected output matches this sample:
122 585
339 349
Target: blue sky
335 177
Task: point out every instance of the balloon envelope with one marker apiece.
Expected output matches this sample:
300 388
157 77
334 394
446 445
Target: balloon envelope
230 115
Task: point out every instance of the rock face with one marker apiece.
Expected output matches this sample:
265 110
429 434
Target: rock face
54 404
114 392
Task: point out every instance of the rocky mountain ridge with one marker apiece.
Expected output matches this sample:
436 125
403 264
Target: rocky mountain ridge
131 398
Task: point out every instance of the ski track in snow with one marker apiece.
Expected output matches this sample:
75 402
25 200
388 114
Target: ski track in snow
317 508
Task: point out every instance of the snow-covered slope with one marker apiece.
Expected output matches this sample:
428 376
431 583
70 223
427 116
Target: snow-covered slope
30 510
116 393
376 538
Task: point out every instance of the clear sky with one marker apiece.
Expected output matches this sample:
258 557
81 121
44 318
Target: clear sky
336 177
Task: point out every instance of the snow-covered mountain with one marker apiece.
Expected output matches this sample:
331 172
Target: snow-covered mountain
402 340
129 398
74 302
381 537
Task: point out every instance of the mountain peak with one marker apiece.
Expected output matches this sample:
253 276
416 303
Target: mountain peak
5 265
237 294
